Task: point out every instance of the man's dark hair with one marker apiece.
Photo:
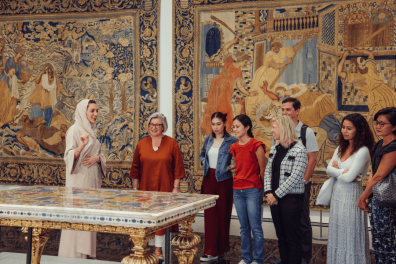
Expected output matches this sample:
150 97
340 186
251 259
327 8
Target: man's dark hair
296 103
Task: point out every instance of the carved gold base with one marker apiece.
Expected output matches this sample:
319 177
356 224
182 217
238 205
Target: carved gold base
186 241
140 256
39 238
146 259
186 256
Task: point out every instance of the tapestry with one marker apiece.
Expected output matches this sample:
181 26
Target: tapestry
245 57
56 53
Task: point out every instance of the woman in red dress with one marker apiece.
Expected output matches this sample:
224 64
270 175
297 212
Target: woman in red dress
158 166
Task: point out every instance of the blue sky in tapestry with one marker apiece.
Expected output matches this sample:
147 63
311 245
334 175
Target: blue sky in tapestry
304 68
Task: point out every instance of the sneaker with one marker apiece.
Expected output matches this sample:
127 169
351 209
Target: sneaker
208 258
278 261
242 262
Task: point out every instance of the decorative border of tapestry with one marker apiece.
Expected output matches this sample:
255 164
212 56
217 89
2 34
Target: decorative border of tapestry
245 57
56 53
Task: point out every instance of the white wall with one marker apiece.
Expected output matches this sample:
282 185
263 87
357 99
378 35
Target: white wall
165 63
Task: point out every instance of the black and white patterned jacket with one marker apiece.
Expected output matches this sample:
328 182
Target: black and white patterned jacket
292 171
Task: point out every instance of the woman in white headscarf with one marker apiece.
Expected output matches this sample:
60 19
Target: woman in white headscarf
84 165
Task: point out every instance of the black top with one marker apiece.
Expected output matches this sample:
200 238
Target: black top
379 150
281 152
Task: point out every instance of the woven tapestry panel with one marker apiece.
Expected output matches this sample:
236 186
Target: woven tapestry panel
71 50
245 57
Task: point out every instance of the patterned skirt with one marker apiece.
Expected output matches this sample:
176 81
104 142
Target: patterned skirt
348 234
383 231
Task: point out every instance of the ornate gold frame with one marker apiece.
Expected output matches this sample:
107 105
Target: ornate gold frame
186 240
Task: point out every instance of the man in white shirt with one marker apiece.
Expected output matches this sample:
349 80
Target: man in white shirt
291 107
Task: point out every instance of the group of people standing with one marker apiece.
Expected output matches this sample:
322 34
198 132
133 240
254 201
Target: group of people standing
285 181
348 228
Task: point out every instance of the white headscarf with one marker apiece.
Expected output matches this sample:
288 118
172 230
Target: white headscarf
81 118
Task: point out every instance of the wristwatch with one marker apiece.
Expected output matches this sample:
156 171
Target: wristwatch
305 182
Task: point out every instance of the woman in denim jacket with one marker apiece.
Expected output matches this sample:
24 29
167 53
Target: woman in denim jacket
216 160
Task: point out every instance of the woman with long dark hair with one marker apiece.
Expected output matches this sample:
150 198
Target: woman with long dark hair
216 160
249 155
382 216
348 233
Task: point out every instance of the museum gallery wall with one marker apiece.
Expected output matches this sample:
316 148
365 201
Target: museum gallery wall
56 53
230 56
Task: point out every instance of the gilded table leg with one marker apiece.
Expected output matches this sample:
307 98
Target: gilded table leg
39 238
186 241
140 256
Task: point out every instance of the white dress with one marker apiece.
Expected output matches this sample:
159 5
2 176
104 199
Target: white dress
348 234
79 244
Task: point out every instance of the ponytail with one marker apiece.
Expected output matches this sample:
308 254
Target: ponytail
246 121
222 117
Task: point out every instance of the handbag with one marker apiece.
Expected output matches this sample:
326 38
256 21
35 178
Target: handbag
385 190
325 192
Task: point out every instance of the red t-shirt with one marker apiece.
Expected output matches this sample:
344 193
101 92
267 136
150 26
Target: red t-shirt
247 167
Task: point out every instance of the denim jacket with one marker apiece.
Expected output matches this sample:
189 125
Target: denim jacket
223 160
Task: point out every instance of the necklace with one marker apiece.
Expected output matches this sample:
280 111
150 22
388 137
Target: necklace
217 142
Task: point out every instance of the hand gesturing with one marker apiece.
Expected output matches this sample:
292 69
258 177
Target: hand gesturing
84 139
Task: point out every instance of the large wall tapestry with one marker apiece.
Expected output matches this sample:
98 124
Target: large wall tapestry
247 56
56 53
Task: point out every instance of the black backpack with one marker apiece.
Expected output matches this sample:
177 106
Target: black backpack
303 135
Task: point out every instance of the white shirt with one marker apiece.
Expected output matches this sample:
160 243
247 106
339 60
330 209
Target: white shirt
357 165
213 155
311 144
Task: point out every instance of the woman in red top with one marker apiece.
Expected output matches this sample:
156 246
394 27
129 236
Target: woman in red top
248 189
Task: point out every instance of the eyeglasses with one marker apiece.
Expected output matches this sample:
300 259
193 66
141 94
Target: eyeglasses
155 125
381 124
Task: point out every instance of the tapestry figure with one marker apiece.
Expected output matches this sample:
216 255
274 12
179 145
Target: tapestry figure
365 79
221 89
45 96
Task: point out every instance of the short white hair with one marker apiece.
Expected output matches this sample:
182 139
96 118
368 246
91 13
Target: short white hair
160 116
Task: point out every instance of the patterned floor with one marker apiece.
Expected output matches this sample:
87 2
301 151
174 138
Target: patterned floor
115 247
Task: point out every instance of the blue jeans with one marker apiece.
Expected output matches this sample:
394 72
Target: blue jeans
248 204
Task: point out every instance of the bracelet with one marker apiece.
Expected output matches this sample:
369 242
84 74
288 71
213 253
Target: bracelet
135 189
176 187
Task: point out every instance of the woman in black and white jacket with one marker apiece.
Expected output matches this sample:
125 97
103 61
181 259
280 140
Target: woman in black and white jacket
284 188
